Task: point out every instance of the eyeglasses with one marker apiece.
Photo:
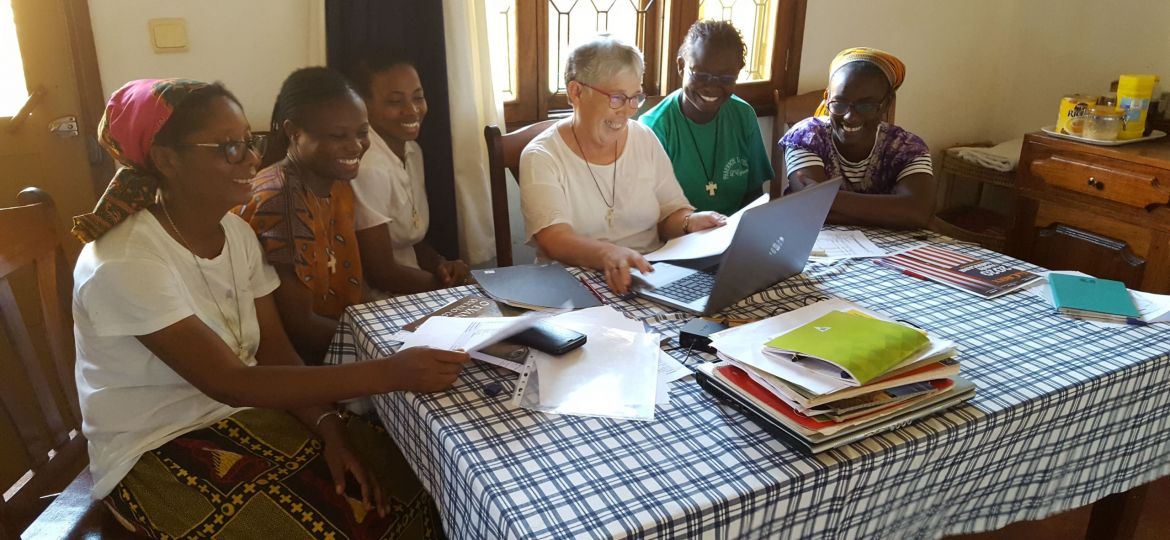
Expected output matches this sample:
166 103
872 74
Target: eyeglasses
707 78
841 108
617 101
234 152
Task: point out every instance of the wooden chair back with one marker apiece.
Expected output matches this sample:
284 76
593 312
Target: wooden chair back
45 449
793 109
504 155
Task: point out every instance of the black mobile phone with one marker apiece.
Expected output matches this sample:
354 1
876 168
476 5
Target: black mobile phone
550 338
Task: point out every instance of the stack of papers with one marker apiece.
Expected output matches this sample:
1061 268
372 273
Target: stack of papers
834 245
819 386
618 373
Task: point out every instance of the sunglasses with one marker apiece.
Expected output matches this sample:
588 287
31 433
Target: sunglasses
707 78
617 101
235 152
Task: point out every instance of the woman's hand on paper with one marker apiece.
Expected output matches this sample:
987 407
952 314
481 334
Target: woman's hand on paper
423 369
699 221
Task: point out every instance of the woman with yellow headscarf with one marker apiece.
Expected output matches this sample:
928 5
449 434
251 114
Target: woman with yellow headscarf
889 179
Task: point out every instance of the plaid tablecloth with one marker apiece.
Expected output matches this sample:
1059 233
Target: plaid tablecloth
1066 413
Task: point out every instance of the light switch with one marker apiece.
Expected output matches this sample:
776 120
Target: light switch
168 35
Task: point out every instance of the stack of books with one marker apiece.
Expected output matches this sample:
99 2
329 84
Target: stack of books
833 373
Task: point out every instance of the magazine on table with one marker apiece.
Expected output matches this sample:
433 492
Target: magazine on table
985 278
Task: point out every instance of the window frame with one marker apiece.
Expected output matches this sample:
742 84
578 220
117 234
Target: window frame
533 101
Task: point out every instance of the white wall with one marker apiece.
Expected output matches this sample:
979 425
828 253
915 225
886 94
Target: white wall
1064 46
949 48
990 69
250 46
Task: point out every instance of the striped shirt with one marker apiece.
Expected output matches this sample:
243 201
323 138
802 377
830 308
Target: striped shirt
896 154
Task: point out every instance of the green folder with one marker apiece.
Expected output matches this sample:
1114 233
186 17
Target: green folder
862 346
1091 297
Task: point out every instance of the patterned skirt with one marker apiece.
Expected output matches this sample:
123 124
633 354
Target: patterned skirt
262 474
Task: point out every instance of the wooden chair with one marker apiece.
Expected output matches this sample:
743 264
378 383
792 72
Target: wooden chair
793 109
37 390
504 155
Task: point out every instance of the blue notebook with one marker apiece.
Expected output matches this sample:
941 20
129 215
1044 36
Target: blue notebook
1092 298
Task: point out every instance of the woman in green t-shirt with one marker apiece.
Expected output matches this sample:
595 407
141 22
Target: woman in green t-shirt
712 136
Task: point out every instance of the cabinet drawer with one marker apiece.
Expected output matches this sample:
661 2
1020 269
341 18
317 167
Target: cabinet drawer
1138 186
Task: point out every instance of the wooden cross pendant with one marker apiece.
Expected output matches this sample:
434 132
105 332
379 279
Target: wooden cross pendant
609 218
332 264
711 187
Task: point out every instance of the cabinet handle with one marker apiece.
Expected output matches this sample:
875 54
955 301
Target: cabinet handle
1096 183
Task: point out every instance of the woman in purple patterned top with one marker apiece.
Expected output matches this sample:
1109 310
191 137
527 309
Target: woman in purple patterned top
888 175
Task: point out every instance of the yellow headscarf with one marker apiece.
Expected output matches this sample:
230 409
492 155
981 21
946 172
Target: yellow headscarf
893 68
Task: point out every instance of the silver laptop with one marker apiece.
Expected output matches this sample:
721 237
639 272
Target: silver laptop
772 243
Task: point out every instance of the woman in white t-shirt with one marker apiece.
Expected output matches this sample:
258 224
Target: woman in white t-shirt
189 388
390 204
597 189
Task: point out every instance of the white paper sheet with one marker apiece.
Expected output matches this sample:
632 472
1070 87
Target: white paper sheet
670 369
1153 308
469 334
833 245
705 243
614 374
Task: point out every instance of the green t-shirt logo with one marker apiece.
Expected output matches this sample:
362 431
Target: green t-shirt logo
735 168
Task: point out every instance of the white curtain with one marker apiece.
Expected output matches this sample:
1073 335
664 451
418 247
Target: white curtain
316 52
473 105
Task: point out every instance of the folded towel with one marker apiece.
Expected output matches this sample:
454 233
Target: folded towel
1002 157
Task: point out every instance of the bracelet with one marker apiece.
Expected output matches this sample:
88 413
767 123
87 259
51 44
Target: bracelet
687 223
325 414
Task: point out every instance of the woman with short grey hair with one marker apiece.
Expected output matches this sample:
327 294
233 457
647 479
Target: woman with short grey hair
596 188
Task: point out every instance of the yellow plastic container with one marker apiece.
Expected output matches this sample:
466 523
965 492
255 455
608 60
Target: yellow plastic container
1133 97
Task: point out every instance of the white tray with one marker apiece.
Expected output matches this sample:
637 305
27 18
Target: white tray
1051 130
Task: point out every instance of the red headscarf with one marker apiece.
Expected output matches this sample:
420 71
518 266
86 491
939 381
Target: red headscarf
133 117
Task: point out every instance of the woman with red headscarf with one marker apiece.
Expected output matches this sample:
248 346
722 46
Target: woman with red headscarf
200 417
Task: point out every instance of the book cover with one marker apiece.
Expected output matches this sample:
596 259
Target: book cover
471 305
858 346
1083 296
982 277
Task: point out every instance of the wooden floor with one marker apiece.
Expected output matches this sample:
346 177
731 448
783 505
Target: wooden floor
1154 524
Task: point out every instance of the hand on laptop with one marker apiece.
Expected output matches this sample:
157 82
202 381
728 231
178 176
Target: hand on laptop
616 262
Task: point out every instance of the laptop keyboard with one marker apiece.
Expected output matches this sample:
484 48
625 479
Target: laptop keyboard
690 288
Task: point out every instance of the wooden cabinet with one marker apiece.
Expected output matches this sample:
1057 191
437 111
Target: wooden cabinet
1103 210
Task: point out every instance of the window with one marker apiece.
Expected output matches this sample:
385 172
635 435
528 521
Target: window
530 38
13 91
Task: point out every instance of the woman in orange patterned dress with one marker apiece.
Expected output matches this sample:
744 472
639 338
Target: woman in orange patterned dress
302 206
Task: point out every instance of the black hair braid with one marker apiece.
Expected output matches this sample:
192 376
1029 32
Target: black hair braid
304 89
720 35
